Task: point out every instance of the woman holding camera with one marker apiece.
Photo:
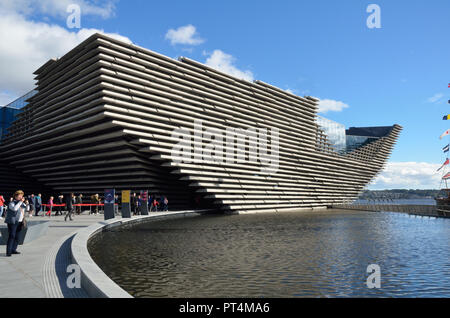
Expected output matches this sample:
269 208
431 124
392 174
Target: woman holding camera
15 218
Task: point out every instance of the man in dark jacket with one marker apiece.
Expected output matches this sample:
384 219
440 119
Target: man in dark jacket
134 204
70 201
38 205
79 200
59 201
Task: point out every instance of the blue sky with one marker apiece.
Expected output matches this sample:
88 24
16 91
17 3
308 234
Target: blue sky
396 74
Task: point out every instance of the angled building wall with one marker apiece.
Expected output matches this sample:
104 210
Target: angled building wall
105 116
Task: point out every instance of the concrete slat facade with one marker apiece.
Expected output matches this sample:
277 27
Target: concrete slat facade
105 114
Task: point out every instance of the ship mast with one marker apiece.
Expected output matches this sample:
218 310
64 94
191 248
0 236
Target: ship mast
446 149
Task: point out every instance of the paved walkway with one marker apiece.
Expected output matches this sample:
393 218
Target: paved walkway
40 271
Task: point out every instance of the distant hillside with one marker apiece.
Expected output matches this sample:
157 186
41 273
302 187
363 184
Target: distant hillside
398 194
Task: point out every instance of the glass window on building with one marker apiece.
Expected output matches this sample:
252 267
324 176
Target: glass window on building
7 116
360 136
355 142
9 112
21 102
345 141
335 133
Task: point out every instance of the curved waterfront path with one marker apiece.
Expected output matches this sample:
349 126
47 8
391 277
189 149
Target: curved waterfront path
40 271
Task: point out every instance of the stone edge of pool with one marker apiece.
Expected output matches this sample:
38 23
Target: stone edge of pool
93 280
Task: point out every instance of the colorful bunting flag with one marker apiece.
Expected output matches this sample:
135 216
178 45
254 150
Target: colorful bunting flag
445 163
446 148
446 117
446 133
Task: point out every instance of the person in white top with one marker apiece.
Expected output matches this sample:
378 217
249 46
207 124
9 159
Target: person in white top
15 218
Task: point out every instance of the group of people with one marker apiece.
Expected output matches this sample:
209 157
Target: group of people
154 203
19 206
32 204
72 204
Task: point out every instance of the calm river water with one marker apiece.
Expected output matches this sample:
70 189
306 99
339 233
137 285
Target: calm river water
312 254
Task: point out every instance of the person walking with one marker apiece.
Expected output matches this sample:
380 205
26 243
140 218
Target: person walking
79 201
50 207
98 201
32 201
2 203
116 204
15 218
70 201
95 200
139 203
154 206
59 201
164 203
149 202
28 209
38 204
134 203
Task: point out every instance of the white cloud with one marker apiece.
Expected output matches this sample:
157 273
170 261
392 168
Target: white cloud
291 91
223 62
184 35
57 8
436 98
408 175
26 45
329 105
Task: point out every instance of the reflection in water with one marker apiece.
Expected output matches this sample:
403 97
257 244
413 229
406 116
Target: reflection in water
313 254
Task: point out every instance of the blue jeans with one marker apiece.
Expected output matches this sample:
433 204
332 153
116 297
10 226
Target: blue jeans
1 211
13 237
